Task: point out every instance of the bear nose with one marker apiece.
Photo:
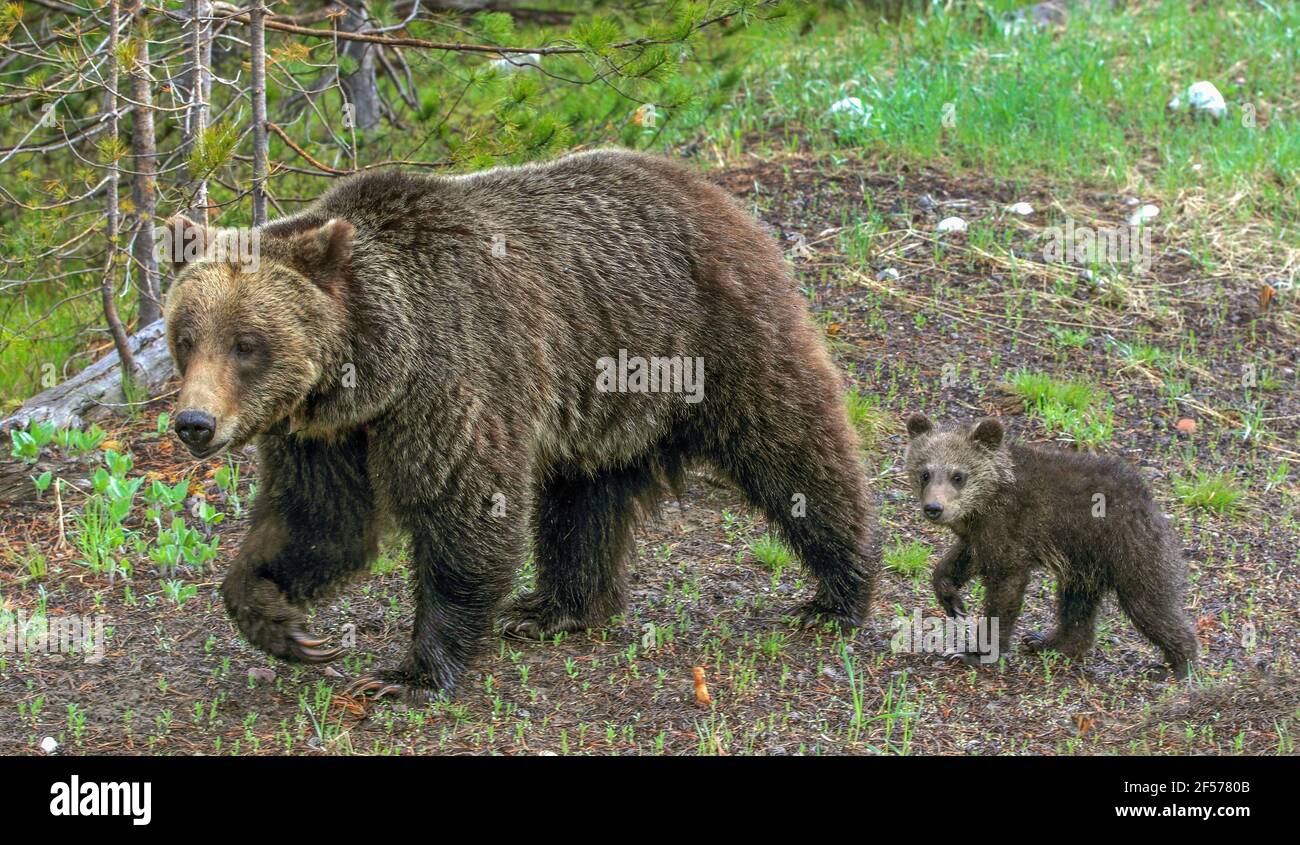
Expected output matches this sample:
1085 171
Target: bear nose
195 428
933 510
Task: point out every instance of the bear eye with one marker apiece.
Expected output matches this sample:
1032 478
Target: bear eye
958 479
245 348
925 477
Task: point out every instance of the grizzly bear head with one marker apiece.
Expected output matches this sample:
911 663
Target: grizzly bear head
956 473
251 319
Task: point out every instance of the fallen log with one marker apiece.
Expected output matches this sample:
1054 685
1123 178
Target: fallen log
96 391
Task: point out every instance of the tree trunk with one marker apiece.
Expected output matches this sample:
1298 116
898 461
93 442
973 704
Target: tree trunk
361 86
106 286
97 390
143 188
197 122
257 50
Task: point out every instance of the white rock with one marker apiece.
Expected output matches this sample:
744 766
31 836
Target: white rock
1145 214
951 224
851 106
48 745
1024 209
887 273
1204 97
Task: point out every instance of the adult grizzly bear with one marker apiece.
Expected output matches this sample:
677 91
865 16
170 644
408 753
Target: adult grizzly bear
441 352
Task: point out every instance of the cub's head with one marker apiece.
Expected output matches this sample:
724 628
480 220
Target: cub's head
251 317
954 474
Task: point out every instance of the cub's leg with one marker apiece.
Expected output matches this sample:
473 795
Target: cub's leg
1156 607
1005 594
1076 621
950 576
313 525
582 528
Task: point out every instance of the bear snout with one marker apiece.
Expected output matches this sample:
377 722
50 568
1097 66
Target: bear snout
196 429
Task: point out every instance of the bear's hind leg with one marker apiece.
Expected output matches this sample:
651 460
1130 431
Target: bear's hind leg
1156 608
1076 622
583 527
813 491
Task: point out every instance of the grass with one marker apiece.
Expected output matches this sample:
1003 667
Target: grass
1074 409
959 87
1213 492
911 559
868 417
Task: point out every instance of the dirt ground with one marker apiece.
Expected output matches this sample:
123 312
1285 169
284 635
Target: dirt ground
941 337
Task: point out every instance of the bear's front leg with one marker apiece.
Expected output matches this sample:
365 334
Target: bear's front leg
466 516
313 525
950 576
462 577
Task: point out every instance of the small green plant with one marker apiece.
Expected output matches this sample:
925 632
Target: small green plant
27 444
867 416
1215 492
771 552
910 559
1072 408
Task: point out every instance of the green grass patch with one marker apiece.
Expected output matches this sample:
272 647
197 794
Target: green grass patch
1075 409
1213 492
910 559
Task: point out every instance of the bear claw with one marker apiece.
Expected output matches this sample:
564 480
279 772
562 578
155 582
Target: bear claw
308 649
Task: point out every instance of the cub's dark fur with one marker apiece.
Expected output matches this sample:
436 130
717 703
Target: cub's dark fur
1014 508
427 350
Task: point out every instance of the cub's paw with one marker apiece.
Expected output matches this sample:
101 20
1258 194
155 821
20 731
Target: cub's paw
972 659
1038 643
270 622
405 686
950 598
814 614
533 617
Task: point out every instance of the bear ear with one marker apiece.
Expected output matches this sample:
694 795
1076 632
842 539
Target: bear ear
182 241
918 424
325 253
987 433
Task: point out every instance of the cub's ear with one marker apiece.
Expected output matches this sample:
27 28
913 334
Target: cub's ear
918 424
324 253
181 241
987 433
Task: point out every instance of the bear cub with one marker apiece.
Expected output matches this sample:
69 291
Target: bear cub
1088 519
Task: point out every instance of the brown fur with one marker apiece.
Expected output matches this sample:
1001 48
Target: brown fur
473 390
1015 508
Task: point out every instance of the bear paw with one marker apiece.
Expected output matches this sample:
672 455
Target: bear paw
534 618
268 621
813 614
403 685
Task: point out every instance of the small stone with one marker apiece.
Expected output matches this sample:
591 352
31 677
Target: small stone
1203 97
261 675
851 106
1186 426
1024 209
926 203
1145 214
951 224
49 745
888 273
331 672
